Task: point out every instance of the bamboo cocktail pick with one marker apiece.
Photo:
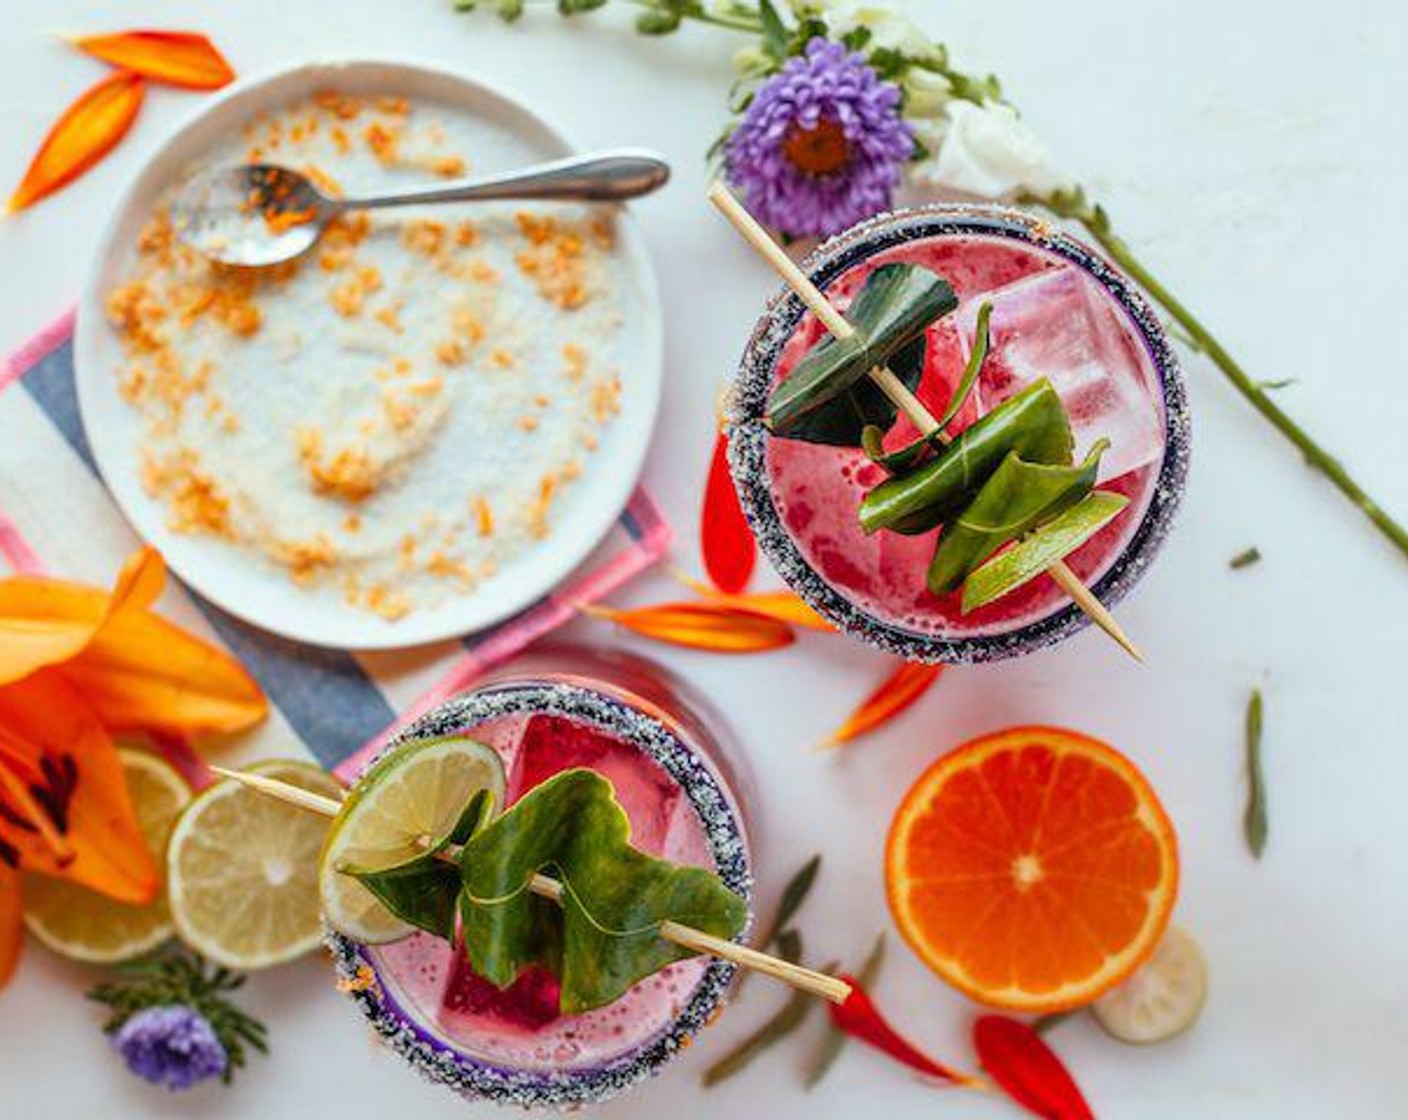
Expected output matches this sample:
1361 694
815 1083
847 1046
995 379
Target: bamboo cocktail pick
891 385
816 983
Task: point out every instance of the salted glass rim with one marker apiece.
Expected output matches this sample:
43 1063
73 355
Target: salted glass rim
748 436
719 816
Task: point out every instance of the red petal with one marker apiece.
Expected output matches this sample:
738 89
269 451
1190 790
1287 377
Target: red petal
1028 1070
859 1018
729 549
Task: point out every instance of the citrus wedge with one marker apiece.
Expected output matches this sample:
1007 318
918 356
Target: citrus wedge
242 870
412 796
88 926
1163 998
1033 869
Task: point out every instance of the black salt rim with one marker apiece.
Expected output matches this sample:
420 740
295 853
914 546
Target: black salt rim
748 436
475 1078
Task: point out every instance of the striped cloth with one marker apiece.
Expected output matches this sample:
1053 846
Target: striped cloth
56 516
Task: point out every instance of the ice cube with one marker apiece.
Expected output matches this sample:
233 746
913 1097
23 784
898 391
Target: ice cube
1062 325
551 744
529 1003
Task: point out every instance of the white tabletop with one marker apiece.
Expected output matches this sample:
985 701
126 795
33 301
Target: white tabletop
1254 154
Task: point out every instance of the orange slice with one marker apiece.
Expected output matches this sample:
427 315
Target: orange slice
1033 869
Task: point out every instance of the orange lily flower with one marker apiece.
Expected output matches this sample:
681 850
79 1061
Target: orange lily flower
77 664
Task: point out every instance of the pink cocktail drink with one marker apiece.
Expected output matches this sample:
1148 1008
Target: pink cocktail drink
677 782
1058 312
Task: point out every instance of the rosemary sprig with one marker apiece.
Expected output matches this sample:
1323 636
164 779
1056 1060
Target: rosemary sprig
1254 823
834 1041
1245 558
179 977
787 1019
788 903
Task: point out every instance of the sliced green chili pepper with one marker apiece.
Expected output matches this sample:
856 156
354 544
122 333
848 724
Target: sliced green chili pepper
1032 423
1017 498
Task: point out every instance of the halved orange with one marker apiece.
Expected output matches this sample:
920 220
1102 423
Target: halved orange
1033 869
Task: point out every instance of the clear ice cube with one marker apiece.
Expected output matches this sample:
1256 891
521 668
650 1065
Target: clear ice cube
551 744
1062 325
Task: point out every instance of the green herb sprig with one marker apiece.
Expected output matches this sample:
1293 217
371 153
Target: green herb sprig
181 977
1254 822
834 1041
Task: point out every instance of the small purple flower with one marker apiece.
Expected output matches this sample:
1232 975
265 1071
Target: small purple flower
173 1046
822 144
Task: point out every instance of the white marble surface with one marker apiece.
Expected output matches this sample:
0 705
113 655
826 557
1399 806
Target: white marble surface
1254 153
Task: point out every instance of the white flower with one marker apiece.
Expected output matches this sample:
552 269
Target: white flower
985 150
925 94
751 61
889 30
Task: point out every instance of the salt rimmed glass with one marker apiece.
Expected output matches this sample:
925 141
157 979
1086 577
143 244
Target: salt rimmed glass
889 236
637 704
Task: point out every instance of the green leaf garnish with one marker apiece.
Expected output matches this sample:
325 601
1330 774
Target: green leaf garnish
834 1041
912 455
1015 499
604 938
1031 556
976 357
1032 423
424 891
1254 822
828 397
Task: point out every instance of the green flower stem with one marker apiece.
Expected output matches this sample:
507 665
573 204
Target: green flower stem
732 20
1097 223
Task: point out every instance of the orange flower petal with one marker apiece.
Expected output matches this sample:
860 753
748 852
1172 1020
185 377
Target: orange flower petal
784 606
141 673
898 691
87 131
141 581
46 621
178 58
52 742
704 626
11 924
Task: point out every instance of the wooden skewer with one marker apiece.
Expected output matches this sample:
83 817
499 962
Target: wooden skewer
891 385
817 983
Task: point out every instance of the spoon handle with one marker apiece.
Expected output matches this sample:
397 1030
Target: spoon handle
597 177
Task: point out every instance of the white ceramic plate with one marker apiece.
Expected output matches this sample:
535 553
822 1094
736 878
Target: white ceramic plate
240 582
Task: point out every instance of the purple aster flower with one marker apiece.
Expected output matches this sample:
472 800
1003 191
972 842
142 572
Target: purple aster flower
173 1046
822 144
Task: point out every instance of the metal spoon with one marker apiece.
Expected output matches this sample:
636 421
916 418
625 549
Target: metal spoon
261 213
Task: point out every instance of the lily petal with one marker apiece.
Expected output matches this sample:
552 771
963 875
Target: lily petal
54 747
11 924
141 673
47 621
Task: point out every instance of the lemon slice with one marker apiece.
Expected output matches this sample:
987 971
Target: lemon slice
242 870
411 797
88 926
1164 996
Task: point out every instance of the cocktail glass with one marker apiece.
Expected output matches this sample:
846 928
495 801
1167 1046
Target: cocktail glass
684 787
1060 311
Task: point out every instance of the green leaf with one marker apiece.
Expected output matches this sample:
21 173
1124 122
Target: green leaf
834 1041
784 1021
922 449
976 357
605 936
1030 557
1254 822
1245 559
1017 498
775 36
424 890
1032 423
657 22
828 397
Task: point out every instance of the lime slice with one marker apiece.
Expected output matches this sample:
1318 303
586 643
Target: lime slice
88 926
1164 996
411 797
242 870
